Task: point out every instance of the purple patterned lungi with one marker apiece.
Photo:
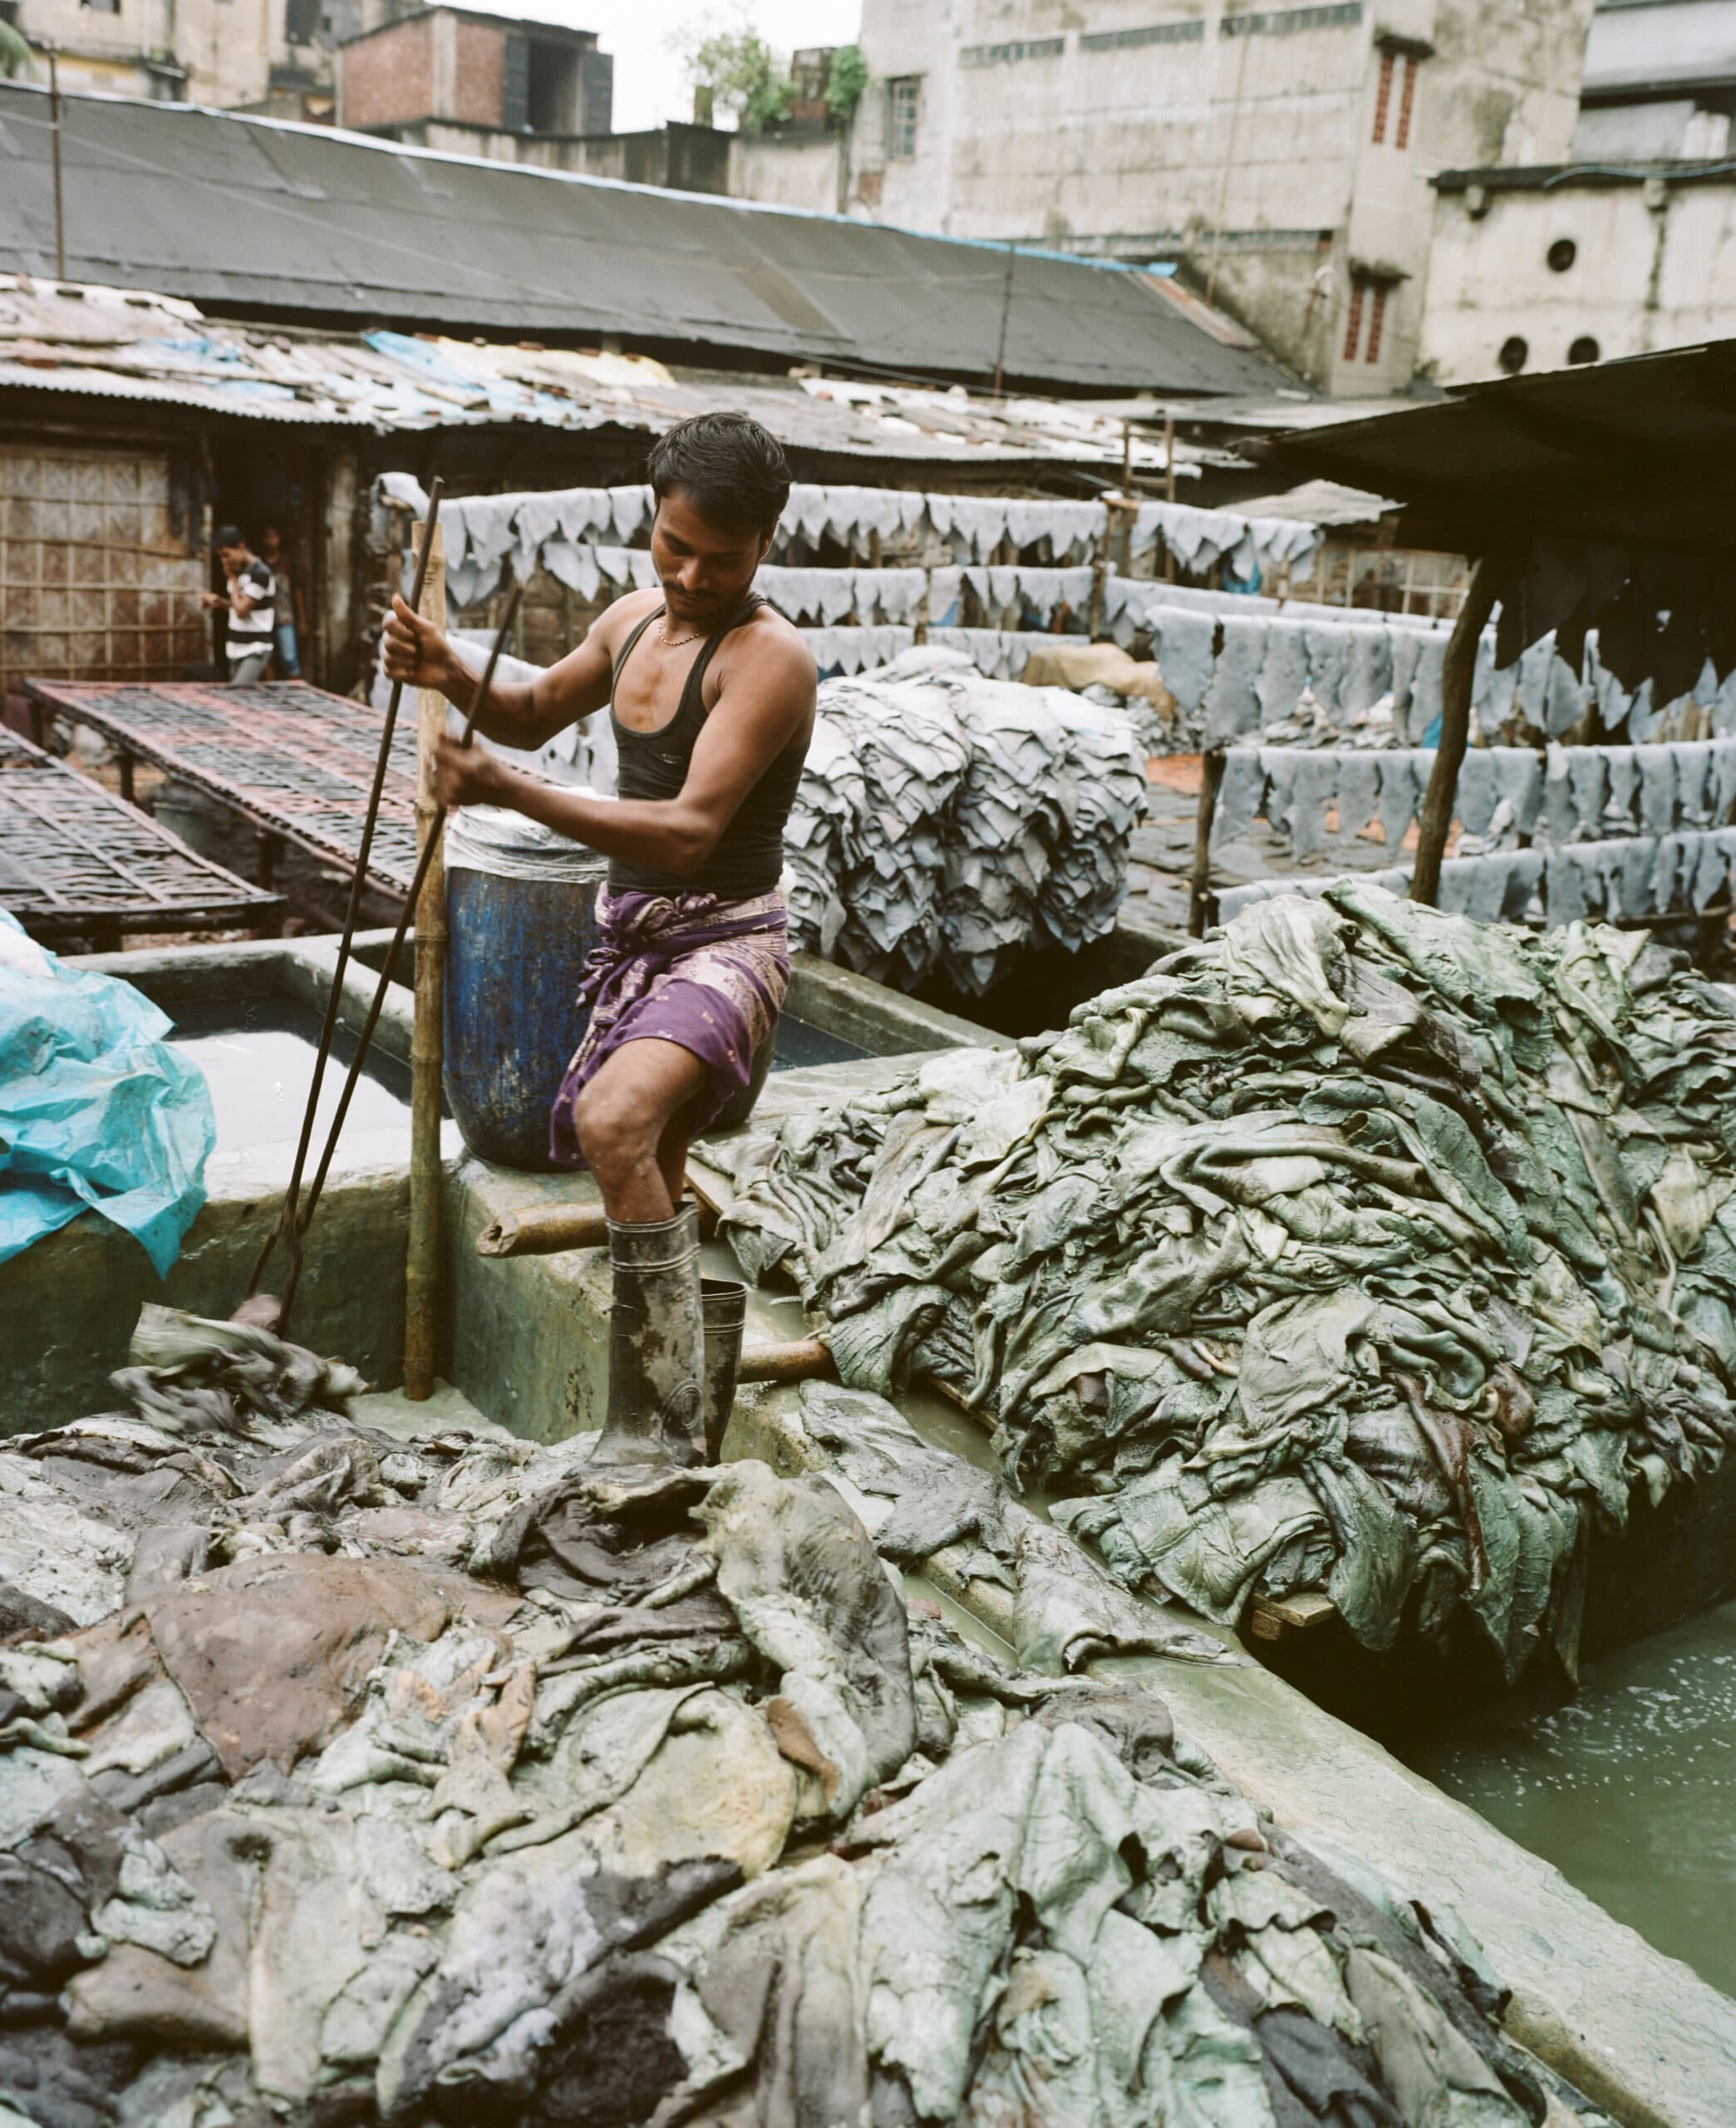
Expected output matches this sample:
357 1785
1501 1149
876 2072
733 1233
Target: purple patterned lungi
695 969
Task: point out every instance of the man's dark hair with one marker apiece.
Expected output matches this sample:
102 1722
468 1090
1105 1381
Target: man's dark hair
229 536
732 471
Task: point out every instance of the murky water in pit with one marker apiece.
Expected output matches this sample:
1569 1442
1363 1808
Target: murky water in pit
1629 1788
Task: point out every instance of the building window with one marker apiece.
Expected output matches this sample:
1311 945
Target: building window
1383 95
1353 321
100 6
1189 33
1377 321
1407 101
905 99
1514 355
999 55
1585 349
1561 255
1286 22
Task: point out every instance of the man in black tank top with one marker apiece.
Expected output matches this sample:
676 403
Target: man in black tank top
712 695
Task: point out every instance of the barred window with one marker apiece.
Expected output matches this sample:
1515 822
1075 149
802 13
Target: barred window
998 55
1383 96
1191 32
1286 22
904 102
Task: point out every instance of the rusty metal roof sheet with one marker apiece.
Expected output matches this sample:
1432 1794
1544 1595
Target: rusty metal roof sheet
73 856
296 760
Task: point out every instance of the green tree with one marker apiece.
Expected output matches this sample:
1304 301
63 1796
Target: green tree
846 79
744 76
16 57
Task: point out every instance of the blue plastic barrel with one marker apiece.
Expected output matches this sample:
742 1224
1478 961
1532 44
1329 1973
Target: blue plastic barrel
521 919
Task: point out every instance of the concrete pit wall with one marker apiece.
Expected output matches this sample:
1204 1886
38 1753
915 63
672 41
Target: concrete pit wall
68 1304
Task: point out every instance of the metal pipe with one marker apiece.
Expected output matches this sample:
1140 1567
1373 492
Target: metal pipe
54 133
290 1224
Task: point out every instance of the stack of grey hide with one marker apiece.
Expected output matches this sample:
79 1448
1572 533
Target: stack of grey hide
948 821
346 1781
1620 831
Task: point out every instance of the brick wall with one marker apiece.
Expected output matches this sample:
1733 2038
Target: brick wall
388 79
478 91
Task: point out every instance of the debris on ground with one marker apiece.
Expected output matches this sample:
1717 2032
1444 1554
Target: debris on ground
347 1779
1356 1248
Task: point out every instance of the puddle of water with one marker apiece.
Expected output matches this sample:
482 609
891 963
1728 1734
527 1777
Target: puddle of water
798 1047
256 1054
1629 1788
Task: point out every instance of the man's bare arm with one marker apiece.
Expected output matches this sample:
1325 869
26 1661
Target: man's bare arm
768 700
519 713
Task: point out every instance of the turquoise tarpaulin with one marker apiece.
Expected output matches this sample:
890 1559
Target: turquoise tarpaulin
96 1108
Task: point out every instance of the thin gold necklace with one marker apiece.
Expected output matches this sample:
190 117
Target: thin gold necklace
675 642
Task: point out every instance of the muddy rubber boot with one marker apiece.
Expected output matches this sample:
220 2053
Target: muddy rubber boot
723 1302
656 1346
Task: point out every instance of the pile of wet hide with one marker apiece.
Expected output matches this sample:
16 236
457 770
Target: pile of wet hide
1356 1248
346 1779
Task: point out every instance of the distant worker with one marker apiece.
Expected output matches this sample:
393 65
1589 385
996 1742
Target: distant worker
292 604
250 603
712 699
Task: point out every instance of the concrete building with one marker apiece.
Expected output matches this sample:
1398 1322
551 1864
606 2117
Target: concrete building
1281 156
273 56
475 85
1625 246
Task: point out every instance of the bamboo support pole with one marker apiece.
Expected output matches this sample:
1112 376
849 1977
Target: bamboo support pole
427 1047
1199 895
550 1229
1458 669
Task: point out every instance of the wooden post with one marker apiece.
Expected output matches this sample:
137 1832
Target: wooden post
126 776
1458 670
1169 458
427 1047
1200 894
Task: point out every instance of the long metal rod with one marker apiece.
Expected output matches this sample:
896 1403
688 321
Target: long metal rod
1006 305
288 1229
435 828
54 134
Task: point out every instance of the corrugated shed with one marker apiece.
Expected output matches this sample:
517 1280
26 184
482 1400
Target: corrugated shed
245 212
113 343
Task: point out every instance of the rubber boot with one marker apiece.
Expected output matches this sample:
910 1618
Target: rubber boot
723 1302
657 1345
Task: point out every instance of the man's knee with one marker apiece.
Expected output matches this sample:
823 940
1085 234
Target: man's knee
616 1127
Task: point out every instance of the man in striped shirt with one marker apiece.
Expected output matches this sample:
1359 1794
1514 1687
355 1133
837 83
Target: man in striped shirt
250 603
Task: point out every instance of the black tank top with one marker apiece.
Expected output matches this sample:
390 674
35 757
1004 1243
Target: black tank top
749 859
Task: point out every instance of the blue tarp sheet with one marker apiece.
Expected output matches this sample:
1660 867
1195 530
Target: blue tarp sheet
96 1108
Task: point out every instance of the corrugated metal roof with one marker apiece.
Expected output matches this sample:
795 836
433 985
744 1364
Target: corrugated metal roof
239 211
1639 450
116 344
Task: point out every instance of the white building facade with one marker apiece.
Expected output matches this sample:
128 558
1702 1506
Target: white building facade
1282 154
1625 245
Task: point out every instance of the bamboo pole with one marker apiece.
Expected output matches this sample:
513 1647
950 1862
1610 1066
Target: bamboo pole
1200 892
427 1047
1458 670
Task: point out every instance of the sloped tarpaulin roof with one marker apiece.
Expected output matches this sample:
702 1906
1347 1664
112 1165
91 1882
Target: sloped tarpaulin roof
1605 493
229 210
